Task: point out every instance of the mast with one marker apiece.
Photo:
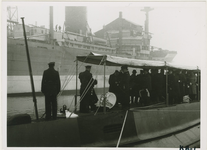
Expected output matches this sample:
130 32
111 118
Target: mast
30 70
147 10
51 37
104 85
76 84
120 31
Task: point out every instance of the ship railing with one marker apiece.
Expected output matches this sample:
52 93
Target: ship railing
84 45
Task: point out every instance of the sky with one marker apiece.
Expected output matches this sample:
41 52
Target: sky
176 26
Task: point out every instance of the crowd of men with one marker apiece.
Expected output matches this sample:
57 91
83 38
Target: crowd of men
149 86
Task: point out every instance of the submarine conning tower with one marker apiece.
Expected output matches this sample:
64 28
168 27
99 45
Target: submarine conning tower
76 19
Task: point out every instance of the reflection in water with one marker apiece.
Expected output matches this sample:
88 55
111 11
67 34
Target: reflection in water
22 105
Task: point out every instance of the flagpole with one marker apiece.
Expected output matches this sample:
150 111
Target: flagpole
30 70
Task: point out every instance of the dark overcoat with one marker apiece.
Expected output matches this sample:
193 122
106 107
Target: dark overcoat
85 77
50 82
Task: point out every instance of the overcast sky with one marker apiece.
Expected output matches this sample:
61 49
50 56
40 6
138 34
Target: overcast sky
178 26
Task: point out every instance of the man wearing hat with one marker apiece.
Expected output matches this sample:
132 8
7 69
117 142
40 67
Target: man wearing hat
145 87
124 78
114 83
132 84
50 88
88 96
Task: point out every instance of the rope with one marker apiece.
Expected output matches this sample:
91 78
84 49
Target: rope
67 80
86 89
69 77
122 129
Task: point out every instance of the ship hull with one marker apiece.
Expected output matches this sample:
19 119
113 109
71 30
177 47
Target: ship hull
103 130
64 56
41 54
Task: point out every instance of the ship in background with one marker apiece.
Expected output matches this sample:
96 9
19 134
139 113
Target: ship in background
62 44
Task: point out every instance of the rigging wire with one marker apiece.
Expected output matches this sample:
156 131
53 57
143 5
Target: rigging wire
69 77
87 87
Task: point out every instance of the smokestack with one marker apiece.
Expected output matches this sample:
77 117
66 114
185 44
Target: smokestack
76 19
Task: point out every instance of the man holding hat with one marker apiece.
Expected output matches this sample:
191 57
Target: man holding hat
88 96
50 88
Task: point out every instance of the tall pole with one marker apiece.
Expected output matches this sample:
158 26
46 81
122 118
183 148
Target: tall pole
51 26
76 80
120 31
147 10
30 70
198 80
167 98
104 86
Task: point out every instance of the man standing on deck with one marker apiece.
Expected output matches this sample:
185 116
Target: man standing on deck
132 84
124 78
50 88
114 84
145 88
88 96
156 83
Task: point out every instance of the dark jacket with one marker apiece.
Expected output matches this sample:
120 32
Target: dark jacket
50 82
114 83
124 79
146 82
86 81
132 81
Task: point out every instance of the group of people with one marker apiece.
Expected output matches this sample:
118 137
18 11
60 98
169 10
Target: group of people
143 89
181 83
149 86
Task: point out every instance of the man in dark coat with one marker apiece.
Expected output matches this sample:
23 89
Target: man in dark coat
162 77
156 80
132 84
145 88
138 85
114 83
88 96
124 78
174 90
50 88
182 81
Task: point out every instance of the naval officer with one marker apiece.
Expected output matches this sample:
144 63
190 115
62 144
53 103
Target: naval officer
50 88
87 93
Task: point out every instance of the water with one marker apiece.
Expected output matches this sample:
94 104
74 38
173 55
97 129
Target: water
22 105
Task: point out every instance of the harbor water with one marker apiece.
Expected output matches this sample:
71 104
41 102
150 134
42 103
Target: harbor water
22 105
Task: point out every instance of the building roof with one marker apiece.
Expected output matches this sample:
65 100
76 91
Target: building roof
114 25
